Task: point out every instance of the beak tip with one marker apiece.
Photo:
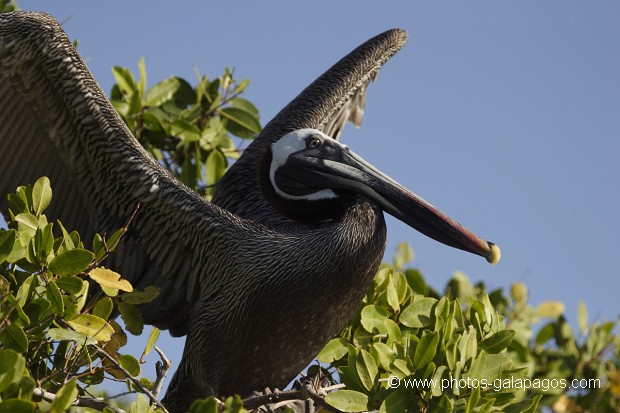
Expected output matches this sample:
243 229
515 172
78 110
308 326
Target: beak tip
494 254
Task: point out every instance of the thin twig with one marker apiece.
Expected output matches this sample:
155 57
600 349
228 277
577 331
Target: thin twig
161 368
281 398
124 230
92 403
136 382
336 387
254 402
317 398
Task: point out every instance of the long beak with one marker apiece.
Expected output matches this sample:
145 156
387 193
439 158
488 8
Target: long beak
348 171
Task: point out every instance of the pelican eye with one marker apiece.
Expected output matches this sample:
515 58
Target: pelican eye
314 142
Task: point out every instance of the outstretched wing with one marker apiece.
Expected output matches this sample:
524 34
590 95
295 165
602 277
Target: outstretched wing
334 98
56 121
339 94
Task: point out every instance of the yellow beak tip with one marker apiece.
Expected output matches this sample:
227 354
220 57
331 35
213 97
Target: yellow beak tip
494 254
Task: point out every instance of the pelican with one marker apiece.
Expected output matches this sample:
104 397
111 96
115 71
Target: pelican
262 277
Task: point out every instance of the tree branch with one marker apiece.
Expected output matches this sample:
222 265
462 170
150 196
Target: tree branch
161 368
136 382
281 398
97 404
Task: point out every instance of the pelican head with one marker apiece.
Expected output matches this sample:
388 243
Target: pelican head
319 175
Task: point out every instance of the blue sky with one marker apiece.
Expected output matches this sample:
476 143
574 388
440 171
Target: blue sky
505 115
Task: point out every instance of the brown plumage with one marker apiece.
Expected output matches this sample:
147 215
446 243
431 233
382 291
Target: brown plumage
258 286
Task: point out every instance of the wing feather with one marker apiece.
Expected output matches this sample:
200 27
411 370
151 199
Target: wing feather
56 121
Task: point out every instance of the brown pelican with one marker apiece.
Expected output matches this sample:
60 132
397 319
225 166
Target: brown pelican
261 278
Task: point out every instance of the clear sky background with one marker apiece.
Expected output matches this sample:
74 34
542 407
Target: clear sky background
505 115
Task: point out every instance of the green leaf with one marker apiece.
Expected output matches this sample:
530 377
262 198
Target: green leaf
366 369
41 195
241 86
400 368
185 130
361 337
18 202
95 377
12 366
426 349
582 317
545 334
233 404
400 284
103 308
62 334
209 405
24 291
124 80
402 255
334 350
71 262
384 354
398 401
524 406
141 296
497 342
150 343
162 92
518 292
132 318
82 296
473 399
441 373
19 317
18 251
551 309
13 337
348 400
112 242
142 74
120 106
416 282
92 326
129 363
441 404
64 397
240 123
418 314
69 244
489 366
55 298
37 309
373 319
244 104
17 406
468 345
392 295
70 284
44 242
141 405
7 240
27 223
393 330
110 292
216 166
26 387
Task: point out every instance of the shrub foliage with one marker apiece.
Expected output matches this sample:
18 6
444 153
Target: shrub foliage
408 348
